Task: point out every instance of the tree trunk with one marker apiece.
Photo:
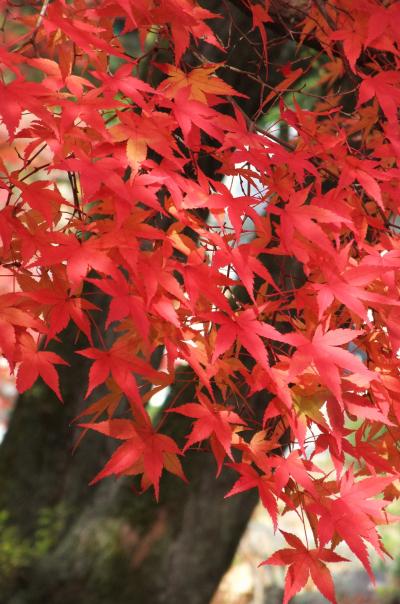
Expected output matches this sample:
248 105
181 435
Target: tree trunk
105 543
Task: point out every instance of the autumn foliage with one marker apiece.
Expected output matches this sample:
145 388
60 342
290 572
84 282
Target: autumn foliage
103 189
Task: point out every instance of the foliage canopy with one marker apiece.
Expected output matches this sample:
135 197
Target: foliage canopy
287 287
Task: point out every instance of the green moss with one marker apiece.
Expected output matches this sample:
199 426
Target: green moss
50 524
16 552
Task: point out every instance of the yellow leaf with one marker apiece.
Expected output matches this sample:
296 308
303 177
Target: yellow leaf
136 152
201 81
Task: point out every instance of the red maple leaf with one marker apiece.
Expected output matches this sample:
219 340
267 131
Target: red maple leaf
354 515
124 303
11 318
245 327
211 420
384 86
35 363
120 364
60 307
250 479
144 451
293 466
302 563
323 350
192 114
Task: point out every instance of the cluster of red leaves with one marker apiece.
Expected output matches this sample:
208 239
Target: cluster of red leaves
125 144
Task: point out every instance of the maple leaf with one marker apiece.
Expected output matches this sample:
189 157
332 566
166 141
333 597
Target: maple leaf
384 86
305 219
366 174
123 80
211 419
83 33
186 19
155 451
80 257
120 364
8 224
353 515
309 405
40 197
200 280
201 81
352 44
323 350
61 306
303 563
290 77
13 105
152 130
193 113
248 330
124 303
371 453
347 284
108 403
245 265
296 467
238 207
249 479
160 451
261 16
12 317
35 363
